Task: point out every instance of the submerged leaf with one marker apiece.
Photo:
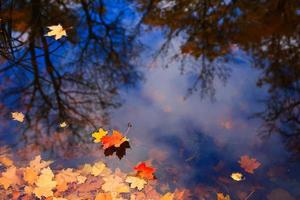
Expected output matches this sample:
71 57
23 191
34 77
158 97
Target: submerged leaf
249 164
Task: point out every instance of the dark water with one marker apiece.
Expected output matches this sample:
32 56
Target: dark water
202 83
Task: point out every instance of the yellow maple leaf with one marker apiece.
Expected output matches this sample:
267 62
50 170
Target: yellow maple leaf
136 182
9 177
237 176
98 135
87 169
63 124
37 163
18 116
167 196
221 196
45 183
114 184
98 168
81 179
64 177
30 175
57 31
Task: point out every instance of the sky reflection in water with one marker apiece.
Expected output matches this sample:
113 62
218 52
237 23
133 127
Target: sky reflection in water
195 141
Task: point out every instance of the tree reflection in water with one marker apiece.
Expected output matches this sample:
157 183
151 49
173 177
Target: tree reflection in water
268 30
75 79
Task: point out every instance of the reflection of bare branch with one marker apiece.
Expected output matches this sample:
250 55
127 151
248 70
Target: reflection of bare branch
78 92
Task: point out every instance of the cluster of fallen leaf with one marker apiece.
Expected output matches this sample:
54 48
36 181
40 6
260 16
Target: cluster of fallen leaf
90 181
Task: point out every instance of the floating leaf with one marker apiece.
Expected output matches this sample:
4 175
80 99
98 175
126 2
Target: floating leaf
98 135
237 176
45 184
38 163
221 196
249 164
81 179
98 168
30 175
167 196
9 177
63 124
57 31
64 177
113 183
145 171
136 182
116 139
18 116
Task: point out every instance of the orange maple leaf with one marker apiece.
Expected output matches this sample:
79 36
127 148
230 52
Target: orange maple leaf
116 139
145 171
249 164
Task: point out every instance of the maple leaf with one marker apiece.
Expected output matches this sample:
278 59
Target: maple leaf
38 164
103 196
98 135
87 169
81 179
120 151
249 164
9 177
57 31
30 175
7 162
18 116
145 171
98 168
45 183
116 139
237 176
63 124
221 196
136 182
64 177
113 183
167 196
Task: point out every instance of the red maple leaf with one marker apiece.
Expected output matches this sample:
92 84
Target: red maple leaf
116 139
145 171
